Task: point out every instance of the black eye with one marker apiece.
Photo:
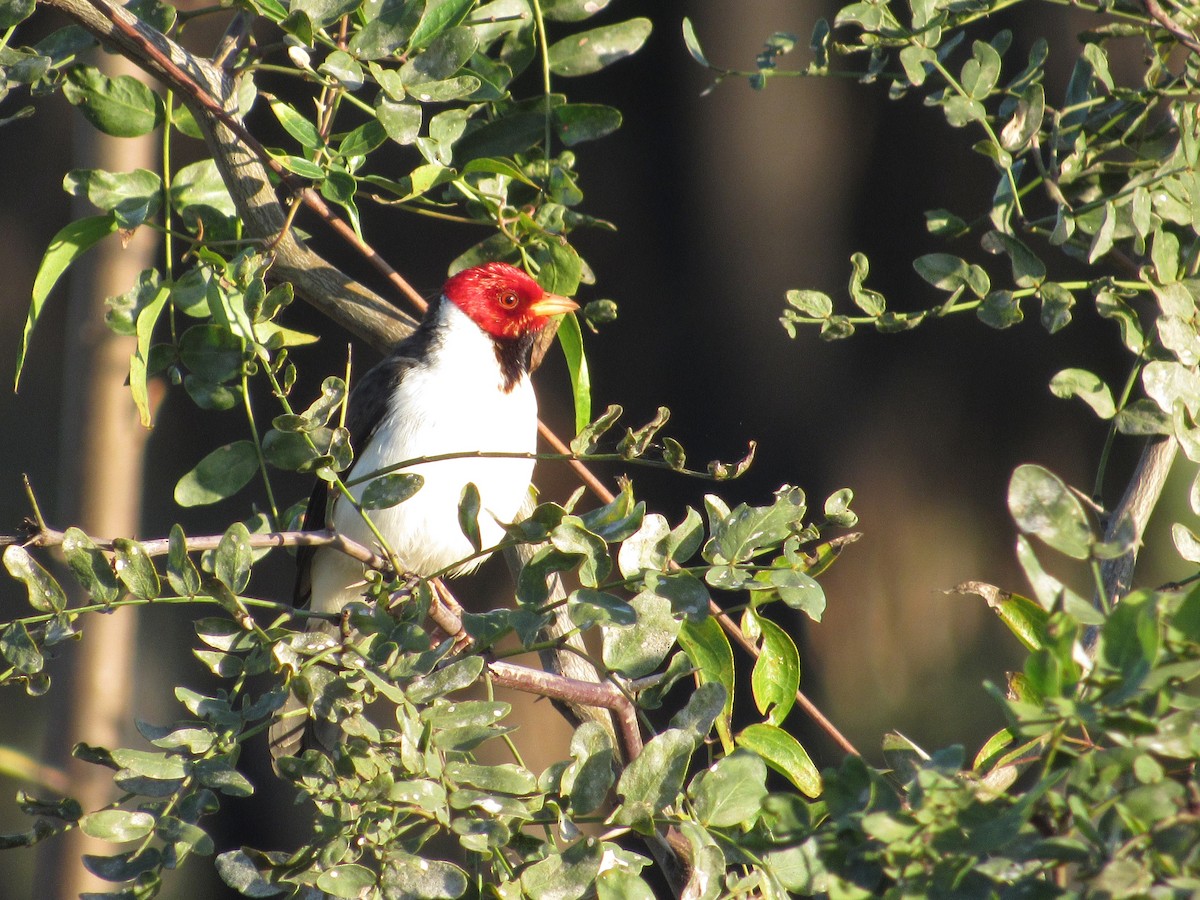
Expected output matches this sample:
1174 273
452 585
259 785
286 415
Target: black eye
508 300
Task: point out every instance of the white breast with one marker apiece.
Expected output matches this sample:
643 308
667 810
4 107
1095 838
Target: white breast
453 402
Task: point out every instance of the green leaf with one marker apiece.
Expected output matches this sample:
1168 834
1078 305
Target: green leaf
588 607
708 647
654 779
590 51
589 776
132 196
1028 271
45 594
65 247
731 792
452 677
90 565
783 753
1087 387
348 880
221 474
401 121
981 72
211 352
406 876
1024 618
232 561
117 825
363 139
588 438
813 304
218 774
439 16
121 106
156 766
197 188
296 125
776 675
703 708
323 13
636 650
19 650
572 10
687 594
1000 309
949 273
693 43
468 515
181 571
1043 505
237 871
390 490
575 123
869 301
749 531
139 362
1186 542
570 338
122 866
1168 382
13 12
572 538
443 59
561 268
136 569
1057 302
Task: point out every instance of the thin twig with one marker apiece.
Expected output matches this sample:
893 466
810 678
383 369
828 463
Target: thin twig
1181 34
49 537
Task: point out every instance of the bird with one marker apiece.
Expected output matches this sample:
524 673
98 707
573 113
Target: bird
458 384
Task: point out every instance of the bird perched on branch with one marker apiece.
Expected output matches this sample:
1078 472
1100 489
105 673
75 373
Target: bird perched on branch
459 384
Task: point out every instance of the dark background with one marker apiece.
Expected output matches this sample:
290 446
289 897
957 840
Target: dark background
723 203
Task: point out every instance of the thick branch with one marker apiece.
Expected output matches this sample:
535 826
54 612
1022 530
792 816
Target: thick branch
210 95
574 692
1141 496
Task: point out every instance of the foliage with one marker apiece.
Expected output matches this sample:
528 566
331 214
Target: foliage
1091 788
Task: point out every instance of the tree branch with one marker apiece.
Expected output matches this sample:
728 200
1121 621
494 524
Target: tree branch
1136 505
49 537
210 95
1181 34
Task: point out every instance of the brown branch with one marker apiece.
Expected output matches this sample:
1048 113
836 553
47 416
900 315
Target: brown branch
1181 34
49 537
1129 520
574 692
209 94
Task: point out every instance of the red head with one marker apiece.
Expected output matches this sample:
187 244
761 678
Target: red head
503 300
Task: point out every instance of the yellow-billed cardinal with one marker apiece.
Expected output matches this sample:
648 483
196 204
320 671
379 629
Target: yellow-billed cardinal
460 383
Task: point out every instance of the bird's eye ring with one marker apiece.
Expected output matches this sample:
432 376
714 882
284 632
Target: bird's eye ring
508 300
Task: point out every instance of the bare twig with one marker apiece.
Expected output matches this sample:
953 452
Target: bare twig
49 537
1181 34
575 692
